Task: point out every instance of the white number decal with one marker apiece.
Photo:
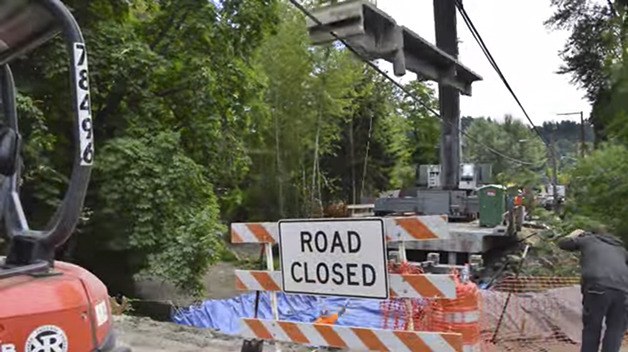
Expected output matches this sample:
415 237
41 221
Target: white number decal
86 135
7 348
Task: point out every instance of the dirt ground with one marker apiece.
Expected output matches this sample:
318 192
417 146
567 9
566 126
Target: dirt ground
219 282
145 335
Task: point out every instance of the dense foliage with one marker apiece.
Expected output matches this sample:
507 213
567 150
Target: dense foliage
521 155
598 184
206 113
595 57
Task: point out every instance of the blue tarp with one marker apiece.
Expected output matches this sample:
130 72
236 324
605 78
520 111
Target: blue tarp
225 315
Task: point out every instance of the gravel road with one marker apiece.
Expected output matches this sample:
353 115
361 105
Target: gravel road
146 335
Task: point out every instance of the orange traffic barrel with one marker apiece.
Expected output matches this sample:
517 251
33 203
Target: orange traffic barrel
460 315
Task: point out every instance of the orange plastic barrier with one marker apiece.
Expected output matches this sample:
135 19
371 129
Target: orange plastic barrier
460 315
542 314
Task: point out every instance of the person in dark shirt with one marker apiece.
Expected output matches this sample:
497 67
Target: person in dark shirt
604 284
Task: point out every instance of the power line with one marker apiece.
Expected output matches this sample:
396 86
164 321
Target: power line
487 53
403 88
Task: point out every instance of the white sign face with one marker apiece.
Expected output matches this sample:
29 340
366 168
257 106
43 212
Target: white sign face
329 257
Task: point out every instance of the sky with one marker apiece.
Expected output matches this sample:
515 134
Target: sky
524 49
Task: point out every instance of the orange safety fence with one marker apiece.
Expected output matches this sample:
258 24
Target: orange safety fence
460 315
542 314
395 310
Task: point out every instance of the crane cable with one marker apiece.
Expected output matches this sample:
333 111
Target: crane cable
404 89
489 56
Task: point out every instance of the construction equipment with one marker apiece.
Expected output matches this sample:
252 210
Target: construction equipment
428 197
47 305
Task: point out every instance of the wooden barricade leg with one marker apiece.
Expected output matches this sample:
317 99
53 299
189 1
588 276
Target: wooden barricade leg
270 266
408 302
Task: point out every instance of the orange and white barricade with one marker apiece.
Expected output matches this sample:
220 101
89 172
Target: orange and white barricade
352 338
398 229
401 285
405 286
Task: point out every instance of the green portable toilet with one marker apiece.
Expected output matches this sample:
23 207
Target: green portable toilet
492 199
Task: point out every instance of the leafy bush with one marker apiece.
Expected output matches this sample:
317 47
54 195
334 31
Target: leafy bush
163 205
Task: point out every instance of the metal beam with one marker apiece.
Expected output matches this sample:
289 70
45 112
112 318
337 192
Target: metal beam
376 35
449 98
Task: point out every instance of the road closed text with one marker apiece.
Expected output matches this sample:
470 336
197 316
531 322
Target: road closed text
323 272
342 257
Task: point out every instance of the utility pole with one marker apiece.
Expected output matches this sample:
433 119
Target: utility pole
582 135
583 144
449 98
552 158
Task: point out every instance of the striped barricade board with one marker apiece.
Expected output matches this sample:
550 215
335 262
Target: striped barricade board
351 338
405 228
401 286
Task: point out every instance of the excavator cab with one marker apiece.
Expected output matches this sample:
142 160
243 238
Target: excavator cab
46 305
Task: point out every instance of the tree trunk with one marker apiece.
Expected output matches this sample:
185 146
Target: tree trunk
366 157
352 161
279 166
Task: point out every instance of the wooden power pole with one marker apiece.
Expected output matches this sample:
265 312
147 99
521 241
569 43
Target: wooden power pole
583 142
552 158
449 98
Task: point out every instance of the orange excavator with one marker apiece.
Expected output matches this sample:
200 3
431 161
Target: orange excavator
46 305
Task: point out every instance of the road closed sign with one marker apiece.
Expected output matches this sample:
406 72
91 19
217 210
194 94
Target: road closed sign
343 257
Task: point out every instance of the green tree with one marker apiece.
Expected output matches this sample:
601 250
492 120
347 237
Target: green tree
309 95
373 153
164 208
594 55
522 153
598 185
424 126
175 97
277 145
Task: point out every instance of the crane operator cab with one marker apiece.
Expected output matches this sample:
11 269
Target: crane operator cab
46 305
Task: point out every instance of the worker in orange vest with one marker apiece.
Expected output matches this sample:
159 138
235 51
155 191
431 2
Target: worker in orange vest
519 198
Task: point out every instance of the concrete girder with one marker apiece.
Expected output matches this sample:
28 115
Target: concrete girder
376 35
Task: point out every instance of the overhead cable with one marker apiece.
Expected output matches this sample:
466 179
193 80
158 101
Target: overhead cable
403 88
487 53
